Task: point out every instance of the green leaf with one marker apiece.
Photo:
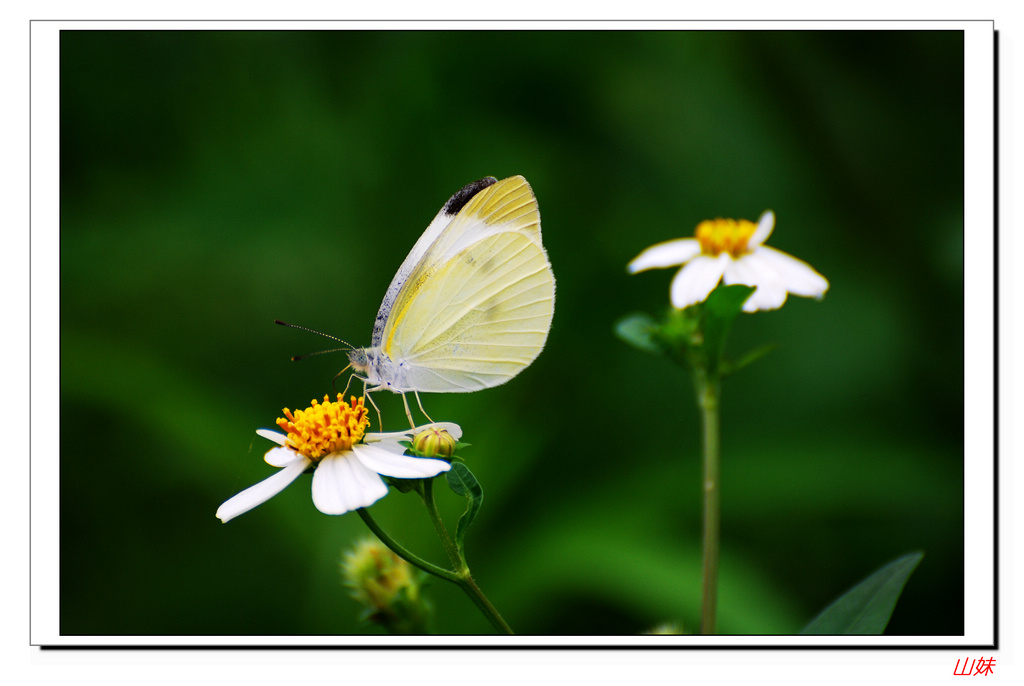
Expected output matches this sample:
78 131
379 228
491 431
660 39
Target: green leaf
404 485
637 329
726 367
463 483
867 607
680 330
720 309
691 336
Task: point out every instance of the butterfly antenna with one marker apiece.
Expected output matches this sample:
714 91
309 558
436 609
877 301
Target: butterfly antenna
296 358
347 345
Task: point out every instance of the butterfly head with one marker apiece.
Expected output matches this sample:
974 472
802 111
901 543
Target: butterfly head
360 360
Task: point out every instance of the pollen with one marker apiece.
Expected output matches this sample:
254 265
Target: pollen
325 428
725 235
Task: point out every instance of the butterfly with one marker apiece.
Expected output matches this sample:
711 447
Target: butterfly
471 305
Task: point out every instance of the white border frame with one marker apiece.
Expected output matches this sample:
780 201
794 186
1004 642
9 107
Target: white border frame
979 368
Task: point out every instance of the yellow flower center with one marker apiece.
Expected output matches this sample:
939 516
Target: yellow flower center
324 429
725 235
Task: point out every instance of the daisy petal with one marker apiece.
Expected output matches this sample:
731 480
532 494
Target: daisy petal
451 427
399 466
737 273
392 447
275 436
667 254
391 436
765 298
281 457
764 229
698 278
798 277
261 492
341 483
752 271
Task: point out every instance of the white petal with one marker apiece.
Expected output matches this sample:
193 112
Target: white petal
764 229
667 254
261 492
388 436
281 457
798 277
390 446
694 281
341 483
736 273
389 463
765 298
451 427
751 271
275 436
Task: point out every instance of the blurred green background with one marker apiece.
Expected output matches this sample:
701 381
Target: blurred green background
212 181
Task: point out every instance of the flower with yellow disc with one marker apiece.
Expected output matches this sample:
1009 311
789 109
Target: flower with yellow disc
348 462
734 252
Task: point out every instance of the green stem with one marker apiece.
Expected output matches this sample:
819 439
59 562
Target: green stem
463 576
478 597
402 552
452 550
708 394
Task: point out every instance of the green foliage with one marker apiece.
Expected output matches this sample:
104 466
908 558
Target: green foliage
463 483
404 485
638 330
727 367
694 335
867 607
718 313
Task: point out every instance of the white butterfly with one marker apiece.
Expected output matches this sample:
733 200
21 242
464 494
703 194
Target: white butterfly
471 305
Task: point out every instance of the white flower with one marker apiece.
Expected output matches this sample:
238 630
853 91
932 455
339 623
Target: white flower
734 252
348 471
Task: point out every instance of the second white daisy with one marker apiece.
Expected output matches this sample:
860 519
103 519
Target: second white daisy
733 252
349 462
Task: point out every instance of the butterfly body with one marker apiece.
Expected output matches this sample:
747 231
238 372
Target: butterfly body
471 305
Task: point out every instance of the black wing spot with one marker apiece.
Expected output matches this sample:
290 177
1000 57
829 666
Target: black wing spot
459 200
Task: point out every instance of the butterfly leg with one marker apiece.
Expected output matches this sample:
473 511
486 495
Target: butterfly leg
408 413
420 403
380 422
366 395
349 379
349 383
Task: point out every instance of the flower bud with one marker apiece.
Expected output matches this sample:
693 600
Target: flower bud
434 442
666 628
387 586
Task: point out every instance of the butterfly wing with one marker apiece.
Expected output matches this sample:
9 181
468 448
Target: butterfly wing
415 261
476 308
